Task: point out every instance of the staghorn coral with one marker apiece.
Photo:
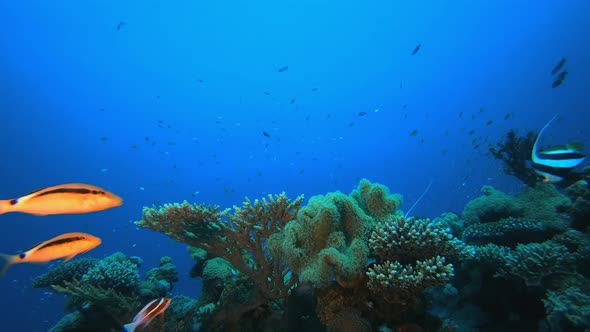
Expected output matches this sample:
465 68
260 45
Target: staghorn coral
406 241
241 236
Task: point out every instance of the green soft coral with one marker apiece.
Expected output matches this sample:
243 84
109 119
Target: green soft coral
329 237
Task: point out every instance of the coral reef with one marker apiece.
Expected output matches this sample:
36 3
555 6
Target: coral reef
109 291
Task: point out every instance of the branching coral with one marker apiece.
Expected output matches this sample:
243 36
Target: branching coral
407 240
240 239
409 280
535 261
83 293
116 271
411 256
186 223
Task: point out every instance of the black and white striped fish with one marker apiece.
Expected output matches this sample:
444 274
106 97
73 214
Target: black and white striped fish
555 163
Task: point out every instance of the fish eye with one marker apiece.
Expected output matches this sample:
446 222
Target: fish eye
83 237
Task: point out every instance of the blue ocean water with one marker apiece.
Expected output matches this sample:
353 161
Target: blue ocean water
165 101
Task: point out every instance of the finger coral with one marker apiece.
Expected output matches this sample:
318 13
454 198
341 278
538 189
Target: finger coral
408 280
409 240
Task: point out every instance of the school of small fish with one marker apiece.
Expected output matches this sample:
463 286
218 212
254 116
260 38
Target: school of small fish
71 198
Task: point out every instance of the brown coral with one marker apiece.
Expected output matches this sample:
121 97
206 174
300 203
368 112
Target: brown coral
240 238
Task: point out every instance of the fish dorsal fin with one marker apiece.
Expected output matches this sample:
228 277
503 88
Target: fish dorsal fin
534 151
34 247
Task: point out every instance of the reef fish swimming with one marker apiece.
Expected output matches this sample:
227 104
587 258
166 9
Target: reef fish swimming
555 163
65 246
558 66
150 311
71 198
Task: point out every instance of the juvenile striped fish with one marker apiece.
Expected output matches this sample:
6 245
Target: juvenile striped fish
70 198
146 314
65 246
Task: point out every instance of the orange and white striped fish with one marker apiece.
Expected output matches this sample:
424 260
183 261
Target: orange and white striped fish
65 246
70 198
150 311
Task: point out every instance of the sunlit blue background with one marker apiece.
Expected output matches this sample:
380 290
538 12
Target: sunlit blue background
172 106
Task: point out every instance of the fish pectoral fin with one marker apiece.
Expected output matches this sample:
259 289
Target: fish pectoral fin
163 317
69 257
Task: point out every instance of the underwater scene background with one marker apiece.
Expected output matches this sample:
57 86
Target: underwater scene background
364 102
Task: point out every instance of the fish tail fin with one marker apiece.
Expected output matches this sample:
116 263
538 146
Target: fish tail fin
10 261
4 204
129 327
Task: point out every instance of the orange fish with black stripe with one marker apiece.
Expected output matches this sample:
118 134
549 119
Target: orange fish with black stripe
70 198
65 246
